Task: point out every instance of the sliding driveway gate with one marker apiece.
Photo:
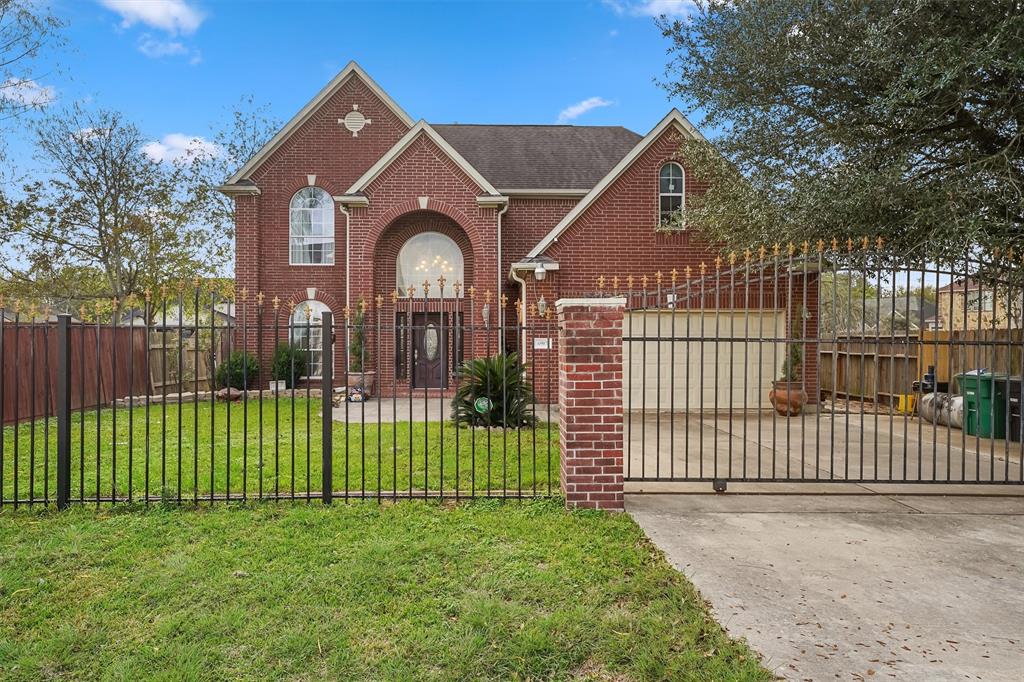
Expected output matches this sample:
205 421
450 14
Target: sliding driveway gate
893 371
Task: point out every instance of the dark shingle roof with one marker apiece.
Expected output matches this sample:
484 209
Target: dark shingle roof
540 156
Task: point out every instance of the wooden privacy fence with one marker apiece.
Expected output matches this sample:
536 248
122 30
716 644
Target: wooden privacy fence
109 363
877 369
176 366
963 350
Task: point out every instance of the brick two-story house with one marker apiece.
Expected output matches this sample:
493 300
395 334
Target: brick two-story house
353 199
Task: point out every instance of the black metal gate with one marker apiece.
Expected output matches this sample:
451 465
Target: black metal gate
823 364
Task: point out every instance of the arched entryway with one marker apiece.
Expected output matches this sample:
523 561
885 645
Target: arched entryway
423 266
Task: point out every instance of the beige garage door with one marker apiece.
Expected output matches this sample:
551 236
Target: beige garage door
685 369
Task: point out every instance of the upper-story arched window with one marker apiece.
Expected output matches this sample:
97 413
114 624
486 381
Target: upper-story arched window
311 228
425 258
671 195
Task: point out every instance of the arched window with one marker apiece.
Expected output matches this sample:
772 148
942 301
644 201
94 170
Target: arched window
307 334
426 257
671 196
311 227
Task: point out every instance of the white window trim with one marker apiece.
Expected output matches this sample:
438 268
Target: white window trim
982 297
293 325
682 197
334 239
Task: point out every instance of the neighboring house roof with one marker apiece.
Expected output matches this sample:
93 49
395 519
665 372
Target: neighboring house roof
307 111
901 307
421 128
674 118
521 157
962 284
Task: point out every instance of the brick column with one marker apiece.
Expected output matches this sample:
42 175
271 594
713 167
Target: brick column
590 401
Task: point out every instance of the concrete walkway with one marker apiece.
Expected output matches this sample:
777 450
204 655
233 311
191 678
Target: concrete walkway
857 587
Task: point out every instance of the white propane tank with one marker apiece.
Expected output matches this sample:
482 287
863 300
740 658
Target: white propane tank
943 408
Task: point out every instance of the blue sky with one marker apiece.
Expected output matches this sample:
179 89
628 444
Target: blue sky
176 67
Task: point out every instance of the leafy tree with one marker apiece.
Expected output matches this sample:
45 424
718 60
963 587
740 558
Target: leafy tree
108 208
237 140
26 28
900 118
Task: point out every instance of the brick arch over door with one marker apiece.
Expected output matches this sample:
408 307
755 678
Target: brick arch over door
406 227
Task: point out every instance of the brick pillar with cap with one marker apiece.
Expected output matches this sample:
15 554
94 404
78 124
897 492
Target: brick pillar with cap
590 401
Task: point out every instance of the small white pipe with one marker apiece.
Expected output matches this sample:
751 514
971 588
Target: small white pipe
348 265
522 312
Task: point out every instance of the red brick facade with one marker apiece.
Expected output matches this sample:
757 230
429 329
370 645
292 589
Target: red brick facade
590 402
425 189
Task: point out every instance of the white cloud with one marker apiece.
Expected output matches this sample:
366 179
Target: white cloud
158 49
652 8
178 146
613 33
27 93
151 47
173 16
574 111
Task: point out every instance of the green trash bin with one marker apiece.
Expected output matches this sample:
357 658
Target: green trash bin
984 403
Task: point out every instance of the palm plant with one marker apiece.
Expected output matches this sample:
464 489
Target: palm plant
493 391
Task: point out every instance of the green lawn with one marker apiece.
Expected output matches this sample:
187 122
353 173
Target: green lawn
407 591
515 460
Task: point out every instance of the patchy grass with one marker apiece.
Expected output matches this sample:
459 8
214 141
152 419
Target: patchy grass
410 591
279 452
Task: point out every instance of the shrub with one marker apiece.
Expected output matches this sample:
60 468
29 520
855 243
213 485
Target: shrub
501 379
289 361
792 364
357 340
239 371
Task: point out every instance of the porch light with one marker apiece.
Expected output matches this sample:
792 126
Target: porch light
540 273
542 306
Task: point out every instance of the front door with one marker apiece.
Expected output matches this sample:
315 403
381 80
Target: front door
429 351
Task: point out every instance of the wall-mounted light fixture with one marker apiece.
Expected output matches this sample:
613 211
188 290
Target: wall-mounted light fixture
540 272
542 306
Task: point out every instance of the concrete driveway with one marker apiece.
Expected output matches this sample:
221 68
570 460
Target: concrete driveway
857 587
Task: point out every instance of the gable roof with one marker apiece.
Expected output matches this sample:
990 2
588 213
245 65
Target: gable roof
421 128
673 119
352 69
558 157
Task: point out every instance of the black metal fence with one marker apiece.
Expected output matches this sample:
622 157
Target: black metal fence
305 404
824 364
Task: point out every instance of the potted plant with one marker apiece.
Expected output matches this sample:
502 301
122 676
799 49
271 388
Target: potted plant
287 367
360 380
788 396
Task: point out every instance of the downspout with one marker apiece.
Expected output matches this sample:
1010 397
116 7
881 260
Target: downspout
348 264
522 312
501 325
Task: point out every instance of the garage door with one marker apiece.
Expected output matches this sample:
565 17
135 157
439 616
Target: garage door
682 358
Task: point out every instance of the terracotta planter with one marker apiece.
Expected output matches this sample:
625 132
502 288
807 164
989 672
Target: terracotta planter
788 397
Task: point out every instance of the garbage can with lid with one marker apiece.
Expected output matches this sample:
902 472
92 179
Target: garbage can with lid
984 403
1014 400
